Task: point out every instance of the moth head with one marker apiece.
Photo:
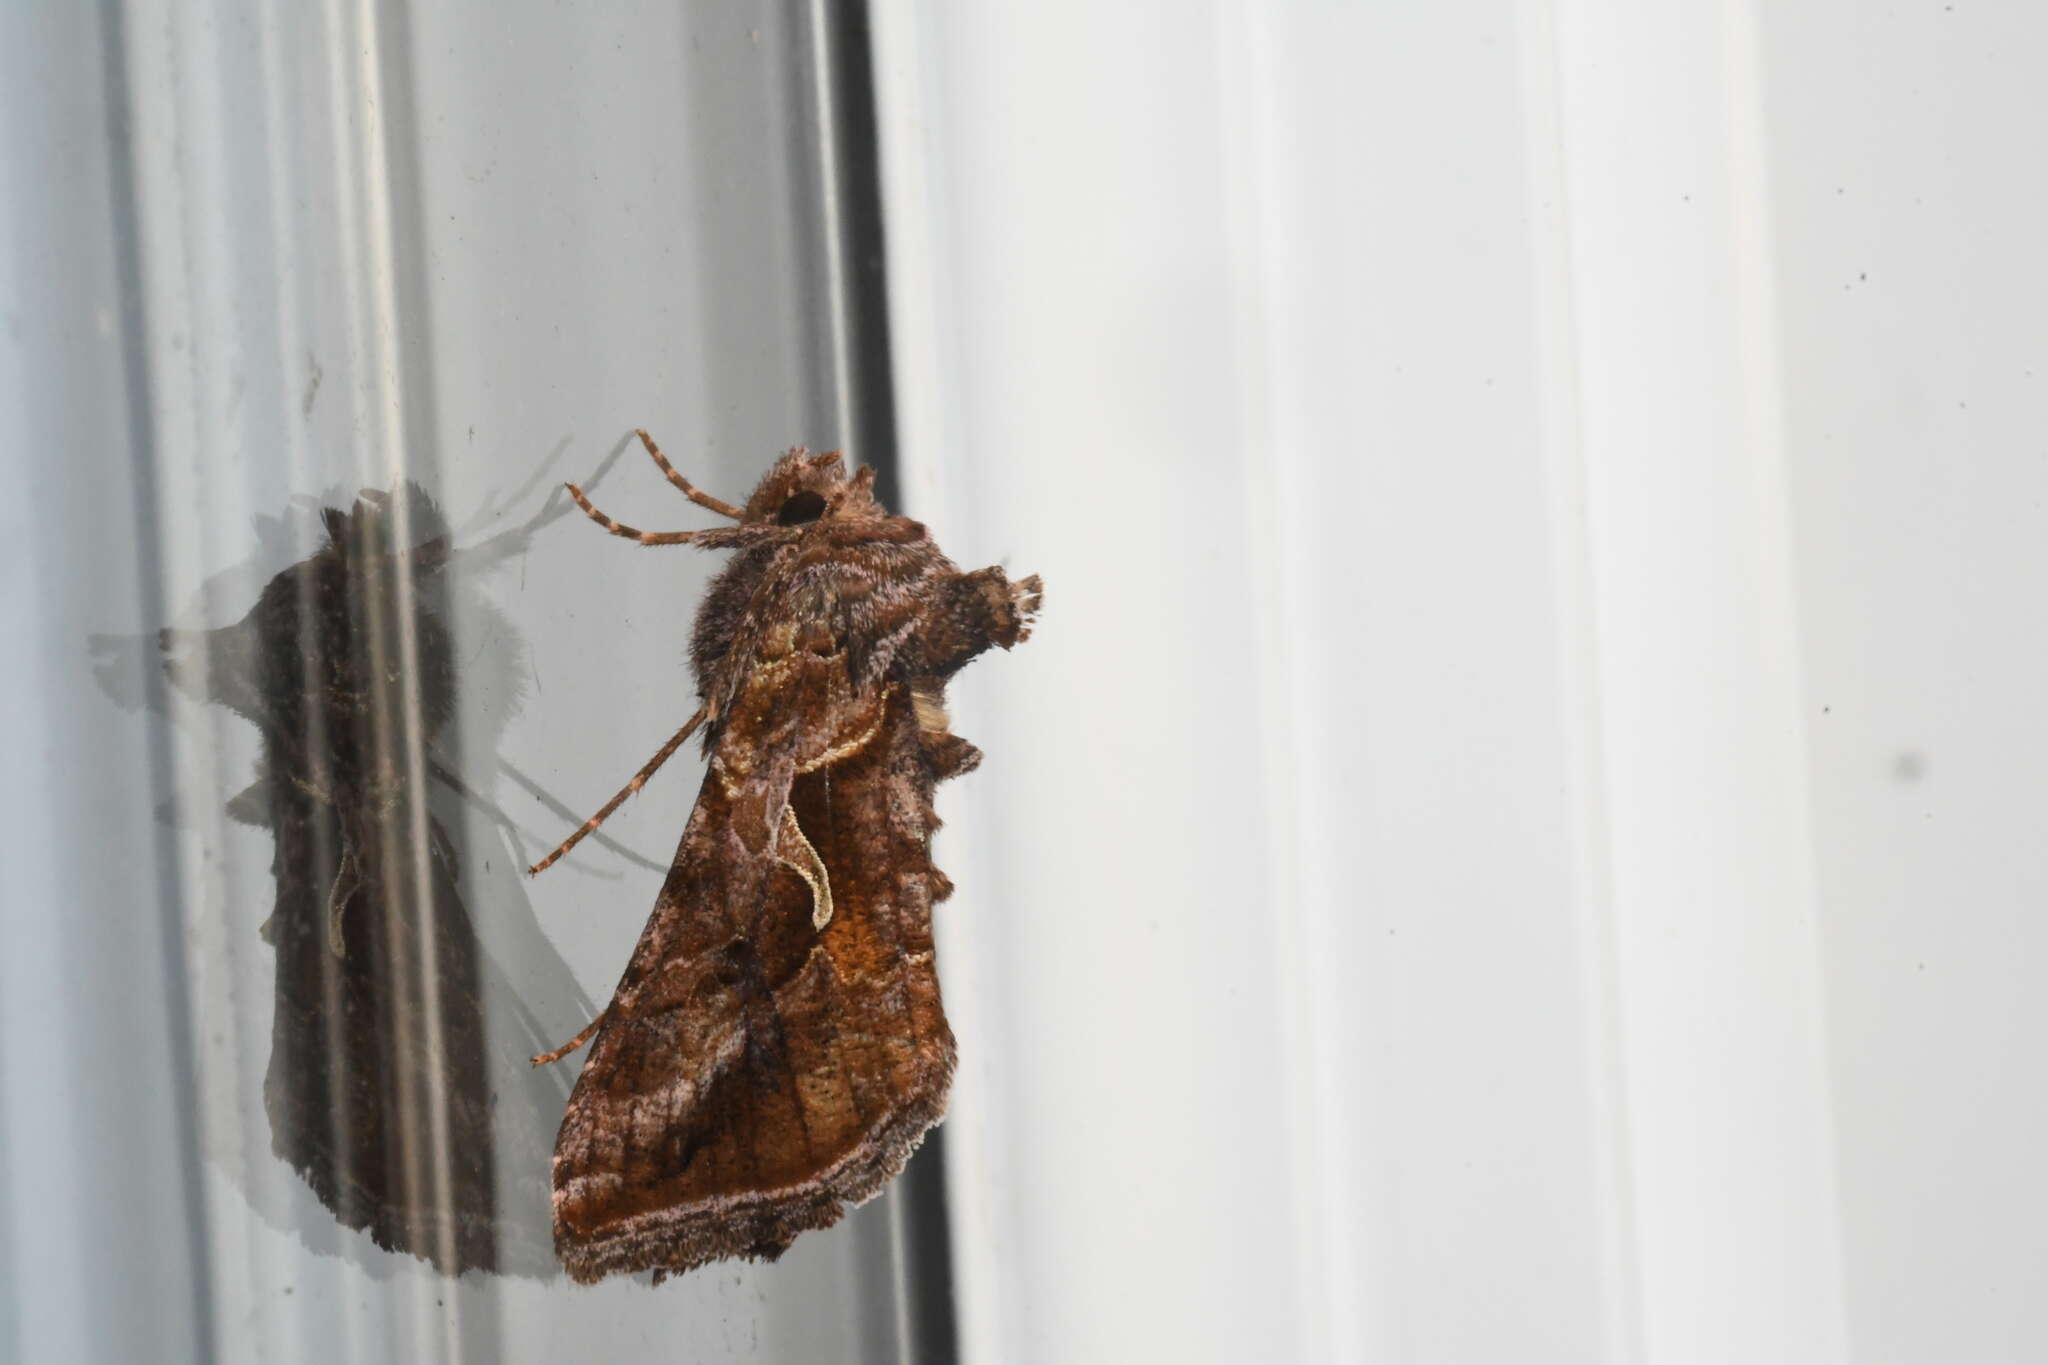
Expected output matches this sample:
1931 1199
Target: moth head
803 488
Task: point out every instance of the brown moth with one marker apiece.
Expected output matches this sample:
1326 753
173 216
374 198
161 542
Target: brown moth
776 1048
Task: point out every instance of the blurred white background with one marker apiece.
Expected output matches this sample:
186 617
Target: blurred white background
1516 838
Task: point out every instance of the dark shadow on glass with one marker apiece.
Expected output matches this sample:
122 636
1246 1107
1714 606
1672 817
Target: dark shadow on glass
397 1085
376 1088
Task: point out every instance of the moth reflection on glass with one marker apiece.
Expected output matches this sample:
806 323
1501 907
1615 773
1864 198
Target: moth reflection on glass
376 1090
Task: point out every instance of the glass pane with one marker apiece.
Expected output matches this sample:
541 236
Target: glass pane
330 301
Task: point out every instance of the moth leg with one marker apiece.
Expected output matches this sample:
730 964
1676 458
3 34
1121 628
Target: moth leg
578 1041
644 537
639 781
805 862
690 490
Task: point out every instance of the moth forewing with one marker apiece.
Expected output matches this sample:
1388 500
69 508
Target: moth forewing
776 1047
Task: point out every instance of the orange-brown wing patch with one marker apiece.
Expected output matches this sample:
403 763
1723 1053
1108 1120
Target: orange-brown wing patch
756 1073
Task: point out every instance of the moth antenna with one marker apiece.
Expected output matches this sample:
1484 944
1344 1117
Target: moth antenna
690 490
578 1041
617 529
639 781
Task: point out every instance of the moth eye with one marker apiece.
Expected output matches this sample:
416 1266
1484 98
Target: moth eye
800 508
